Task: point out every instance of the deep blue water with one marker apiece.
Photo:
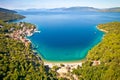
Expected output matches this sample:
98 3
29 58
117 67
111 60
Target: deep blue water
67 37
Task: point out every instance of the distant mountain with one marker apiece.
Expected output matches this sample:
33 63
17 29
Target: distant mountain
58 10
116 9
7 11
67 10
87 9
81 9
9 15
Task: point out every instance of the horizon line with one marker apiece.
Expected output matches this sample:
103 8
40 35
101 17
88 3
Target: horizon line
57 8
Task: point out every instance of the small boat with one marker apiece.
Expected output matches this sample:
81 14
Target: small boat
37 31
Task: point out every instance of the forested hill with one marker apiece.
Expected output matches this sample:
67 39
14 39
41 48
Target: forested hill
7 11
9 15
18 61
103 61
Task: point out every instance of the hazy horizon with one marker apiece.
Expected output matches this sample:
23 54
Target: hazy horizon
56 8
50 4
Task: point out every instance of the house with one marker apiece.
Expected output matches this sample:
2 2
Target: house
1 26
95 63
11 29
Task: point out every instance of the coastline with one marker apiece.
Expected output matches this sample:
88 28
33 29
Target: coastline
69 63
101 29
51 64
22 56
62 67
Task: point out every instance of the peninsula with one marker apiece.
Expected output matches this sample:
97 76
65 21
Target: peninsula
9 15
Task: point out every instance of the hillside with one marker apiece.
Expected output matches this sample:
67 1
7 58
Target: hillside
17 60
9 15
103 61
7 11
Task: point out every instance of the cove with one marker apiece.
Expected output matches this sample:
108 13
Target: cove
67 37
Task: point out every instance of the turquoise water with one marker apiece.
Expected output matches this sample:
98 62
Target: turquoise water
67 37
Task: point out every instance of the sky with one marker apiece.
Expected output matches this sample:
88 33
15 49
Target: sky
27 4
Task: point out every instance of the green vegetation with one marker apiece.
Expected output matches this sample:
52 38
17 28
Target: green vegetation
18 61
9 15
107 53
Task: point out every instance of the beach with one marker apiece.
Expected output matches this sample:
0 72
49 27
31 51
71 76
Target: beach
101 29
64 67
71 64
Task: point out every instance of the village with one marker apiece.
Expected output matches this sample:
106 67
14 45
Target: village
21 33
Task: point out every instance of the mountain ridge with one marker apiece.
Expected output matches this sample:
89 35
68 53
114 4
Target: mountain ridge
78 9
9 15
7 10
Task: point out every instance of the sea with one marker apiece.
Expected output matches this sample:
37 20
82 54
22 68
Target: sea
66 37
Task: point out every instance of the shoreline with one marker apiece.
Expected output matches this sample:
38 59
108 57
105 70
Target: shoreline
74 63
58 63
53 63
102 29
61 62
61 67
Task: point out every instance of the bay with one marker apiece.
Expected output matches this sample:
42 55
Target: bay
69 36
